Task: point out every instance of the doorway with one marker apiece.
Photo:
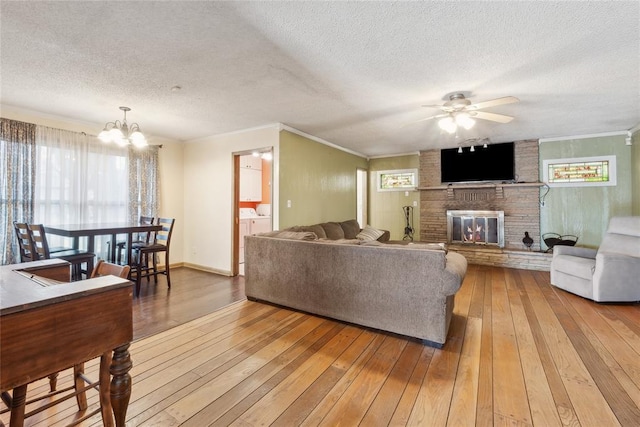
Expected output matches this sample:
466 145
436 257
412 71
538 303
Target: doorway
253 173
361 197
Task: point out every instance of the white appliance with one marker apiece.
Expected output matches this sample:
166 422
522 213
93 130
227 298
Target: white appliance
248 213
264 209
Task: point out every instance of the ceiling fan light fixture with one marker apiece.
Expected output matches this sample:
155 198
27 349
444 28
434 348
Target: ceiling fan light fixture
464 119
447 124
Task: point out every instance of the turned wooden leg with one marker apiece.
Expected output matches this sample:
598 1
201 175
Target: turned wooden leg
17 406
53 382
121 383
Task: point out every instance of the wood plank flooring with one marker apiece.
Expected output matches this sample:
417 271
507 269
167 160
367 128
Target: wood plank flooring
519 352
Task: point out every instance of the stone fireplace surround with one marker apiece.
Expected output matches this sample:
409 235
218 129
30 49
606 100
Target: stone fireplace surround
519 202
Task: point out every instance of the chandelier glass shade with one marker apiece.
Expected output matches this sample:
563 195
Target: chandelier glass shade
122 133
451 122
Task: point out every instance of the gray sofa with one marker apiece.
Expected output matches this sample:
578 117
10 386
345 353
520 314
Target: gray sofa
609 274
404 289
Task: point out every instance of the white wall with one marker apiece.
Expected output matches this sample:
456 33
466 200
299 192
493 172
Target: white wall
208 194
171 167
171 158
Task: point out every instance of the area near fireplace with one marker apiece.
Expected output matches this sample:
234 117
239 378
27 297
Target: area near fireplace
476 227
518 201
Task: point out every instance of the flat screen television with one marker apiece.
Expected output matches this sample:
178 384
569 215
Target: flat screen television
494 163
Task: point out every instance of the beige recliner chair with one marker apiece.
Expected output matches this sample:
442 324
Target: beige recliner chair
610 273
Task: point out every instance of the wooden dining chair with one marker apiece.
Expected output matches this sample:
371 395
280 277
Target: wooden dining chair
25 244
81 383
138 238
75 257
145 253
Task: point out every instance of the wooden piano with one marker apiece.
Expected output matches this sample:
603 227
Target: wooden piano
46 327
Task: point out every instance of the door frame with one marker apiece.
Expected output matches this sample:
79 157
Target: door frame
235 243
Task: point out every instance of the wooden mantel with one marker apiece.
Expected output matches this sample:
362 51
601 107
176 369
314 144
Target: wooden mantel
482 185
499 187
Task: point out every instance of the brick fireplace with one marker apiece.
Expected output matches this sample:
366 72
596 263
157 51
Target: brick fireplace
476 228
518 201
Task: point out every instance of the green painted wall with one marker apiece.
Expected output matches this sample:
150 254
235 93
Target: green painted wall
385 207
585 211
319 180
635 174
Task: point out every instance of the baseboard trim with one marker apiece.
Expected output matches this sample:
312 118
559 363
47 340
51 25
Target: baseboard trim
207 269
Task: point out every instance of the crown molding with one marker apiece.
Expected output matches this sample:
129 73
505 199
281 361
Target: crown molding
320 140
385 156
592 135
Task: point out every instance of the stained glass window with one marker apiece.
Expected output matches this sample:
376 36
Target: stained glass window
395 180
580 171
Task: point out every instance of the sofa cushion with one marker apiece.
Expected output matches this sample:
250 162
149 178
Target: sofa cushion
316 228
291 235
575 266
340 241
351 228
430 246
333 230
369 233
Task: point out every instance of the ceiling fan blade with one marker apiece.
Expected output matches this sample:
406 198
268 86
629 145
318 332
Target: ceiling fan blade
425 119
493 103
432 106
500 118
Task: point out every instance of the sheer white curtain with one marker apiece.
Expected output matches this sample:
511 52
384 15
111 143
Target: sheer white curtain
79 180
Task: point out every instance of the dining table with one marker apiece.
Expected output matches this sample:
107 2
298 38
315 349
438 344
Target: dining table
91 230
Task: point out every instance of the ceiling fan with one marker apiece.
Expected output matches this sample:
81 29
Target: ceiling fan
459 111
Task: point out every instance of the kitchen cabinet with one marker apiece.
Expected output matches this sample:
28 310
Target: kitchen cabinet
250 185
250 226
251 162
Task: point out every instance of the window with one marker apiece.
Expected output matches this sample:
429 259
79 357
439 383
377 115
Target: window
397 180
581 171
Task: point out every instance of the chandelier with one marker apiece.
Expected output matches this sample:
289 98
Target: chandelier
451 122
123 134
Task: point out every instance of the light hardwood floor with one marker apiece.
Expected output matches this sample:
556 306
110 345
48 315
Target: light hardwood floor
520 352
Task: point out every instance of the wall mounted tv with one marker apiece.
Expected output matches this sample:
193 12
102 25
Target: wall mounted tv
494 163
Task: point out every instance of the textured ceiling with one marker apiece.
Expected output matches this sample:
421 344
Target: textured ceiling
351 73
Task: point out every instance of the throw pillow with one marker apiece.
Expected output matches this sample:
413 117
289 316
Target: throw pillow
333 230
369 233
317 228
351 228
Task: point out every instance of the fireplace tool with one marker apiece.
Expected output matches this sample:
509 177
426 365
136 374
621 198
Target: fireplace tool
408 228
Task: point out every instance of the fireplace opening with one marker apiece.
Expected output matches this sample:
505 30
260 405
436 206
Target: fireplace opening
476 227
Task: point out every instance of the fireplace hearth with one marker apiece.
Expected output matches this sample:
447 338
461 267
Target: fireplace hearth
475 227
